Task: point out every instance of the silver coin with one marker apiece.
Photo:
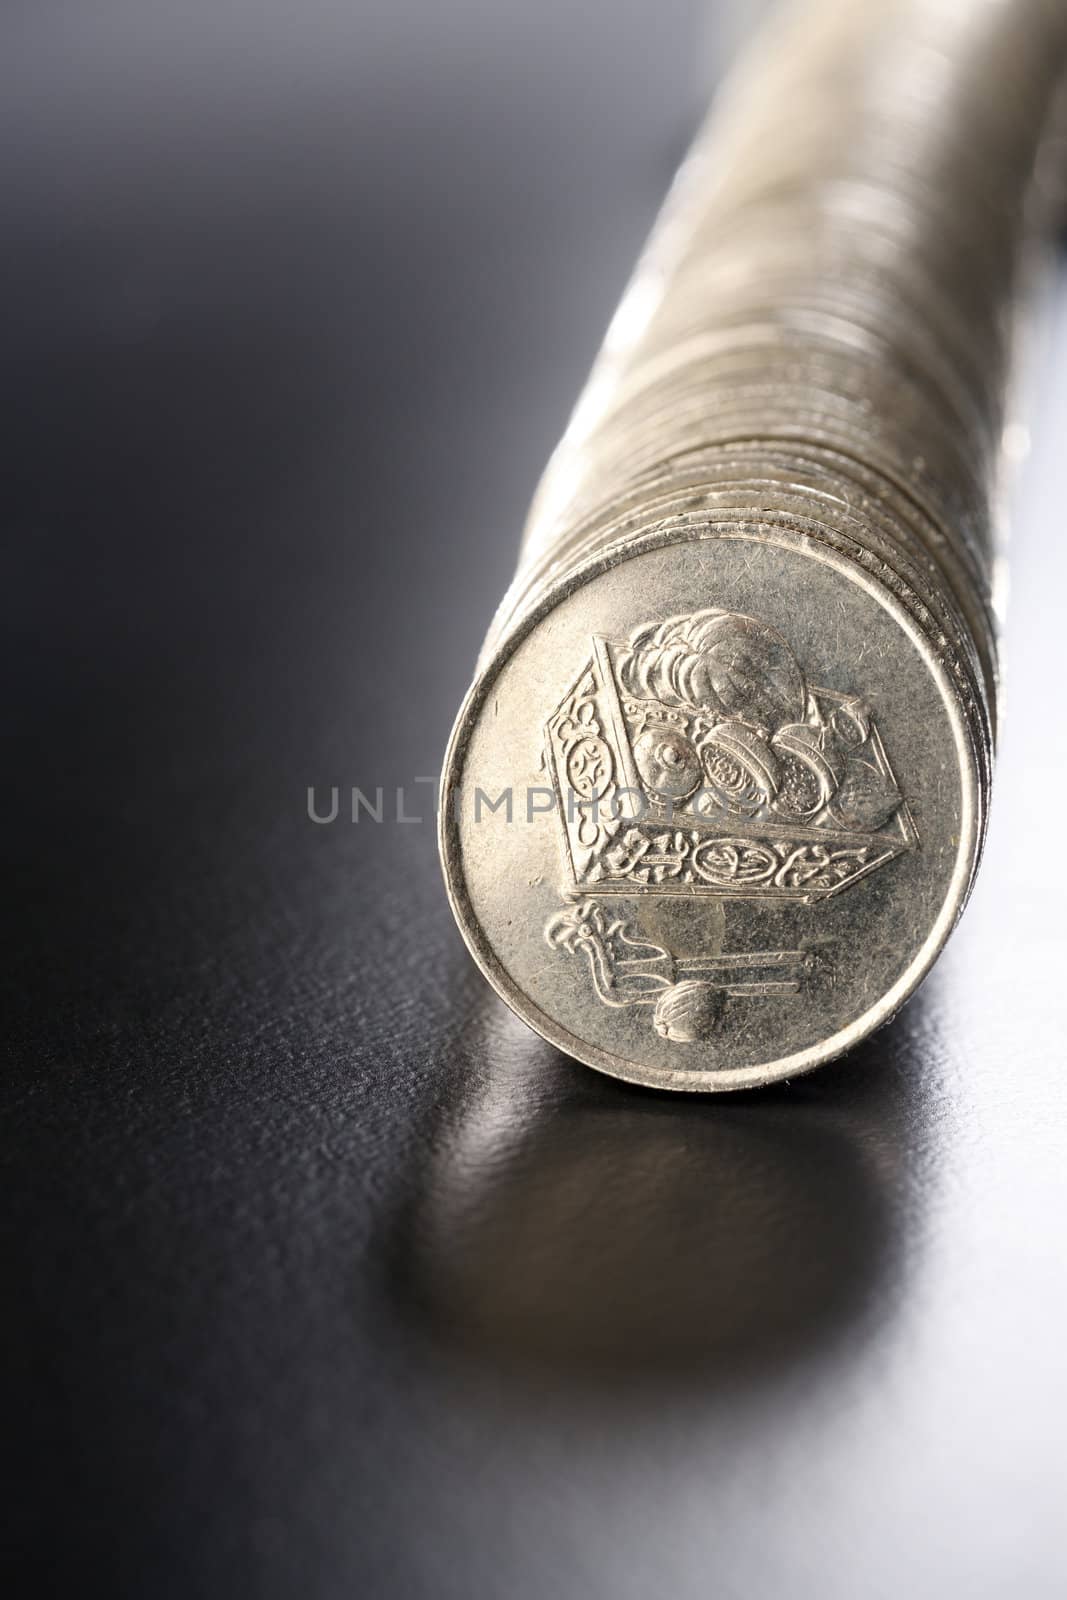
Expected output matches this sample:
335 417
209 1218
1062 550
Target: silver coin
723 944
718 792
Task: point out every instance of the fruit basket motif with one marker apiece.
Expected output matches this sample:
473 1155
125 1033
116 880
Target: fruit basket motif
695 759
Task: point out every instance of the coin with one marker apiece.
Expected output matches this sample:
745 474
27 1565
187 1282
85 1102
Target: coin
803 932
718 792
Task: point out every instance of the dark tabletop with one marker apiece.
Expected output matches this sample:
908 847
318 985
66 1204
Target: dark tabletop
323 1276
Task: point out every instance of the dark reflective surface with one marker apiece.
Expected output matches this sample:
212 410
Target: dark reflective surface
631 1242
322 1277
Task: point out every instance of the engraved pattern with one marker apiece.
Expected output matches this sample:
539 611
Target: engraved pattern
695 759
584 759
689 995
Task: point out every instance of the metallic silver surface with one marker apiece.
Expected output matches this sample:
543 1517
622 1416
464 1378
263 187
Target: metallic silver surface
747 666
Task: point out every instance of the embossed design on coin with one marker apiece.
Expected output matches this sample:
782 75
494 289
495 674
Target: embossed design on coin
689 994
585 761
695 759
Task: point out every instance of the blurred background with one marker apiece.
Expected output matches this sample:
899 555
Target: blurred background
324 1276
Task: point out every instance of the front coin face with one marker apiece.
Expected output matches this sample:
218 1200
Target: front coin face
709 817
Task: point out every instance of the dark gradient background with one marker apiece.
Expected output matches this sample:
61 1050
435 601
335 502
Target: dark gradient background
323 1277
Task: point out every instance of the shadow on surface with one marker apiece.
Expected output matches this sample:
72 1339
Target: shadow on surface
575 1227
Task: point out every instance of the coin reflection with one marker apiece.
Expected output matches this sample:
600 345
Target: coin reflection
567 1224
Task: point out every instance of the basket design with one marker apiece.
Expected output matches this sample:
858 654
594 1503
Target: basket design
695 759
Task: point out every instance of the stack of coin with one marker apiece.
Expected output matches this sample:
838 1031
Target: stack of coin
717 795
